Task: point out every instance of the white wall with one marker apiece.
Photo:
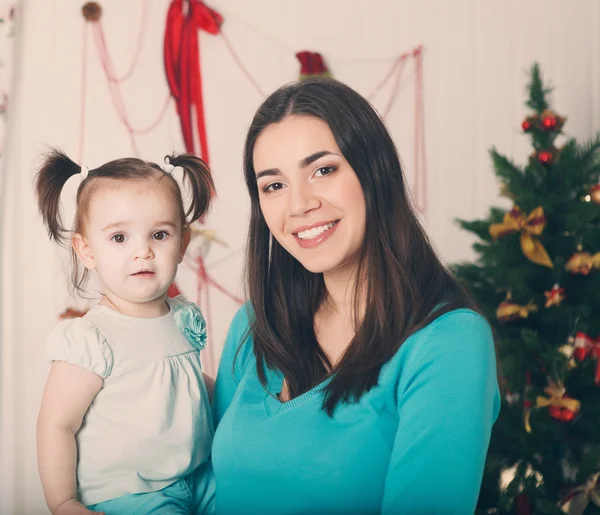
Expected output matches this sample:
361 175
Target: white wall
478 53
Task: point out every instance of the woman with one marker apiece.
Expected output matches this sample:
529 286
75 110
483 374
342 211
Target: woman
358 378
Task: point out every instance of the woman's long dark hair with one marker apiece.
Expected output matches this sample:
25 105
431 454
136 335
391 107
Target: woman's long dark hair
404 279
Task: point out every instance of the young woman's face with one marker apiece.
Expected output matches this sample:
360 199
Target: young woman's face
310 197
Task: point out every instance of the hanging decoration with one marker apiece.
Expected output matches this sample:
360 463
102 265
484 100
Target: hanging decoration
185 18
555 296
568 350
182 65
523 505
578 499
530 226
594 194
92 13
585 346
548 121
582 263
546 157
560 406
509 311
312 65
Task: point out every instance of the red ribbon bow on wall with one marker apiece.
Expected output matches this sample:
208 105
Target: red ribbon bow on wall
182 64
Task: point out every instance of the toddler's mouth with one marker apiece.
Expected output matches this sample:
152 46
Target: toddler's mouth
143 273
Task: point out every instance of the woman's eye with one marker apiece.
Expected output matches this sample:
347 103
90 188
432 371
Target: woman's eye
160 235
274 186
324 170
118 238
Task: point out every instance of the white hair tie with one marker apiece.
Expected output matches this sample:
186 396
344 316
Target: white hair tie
169 168
85 171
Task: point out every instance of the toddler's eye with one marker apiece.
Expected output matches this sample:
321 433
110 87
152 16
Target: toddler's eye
118 238
160 235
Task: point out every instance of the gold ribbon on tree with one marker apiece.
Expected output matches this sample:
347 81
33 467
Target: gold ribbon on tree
555 400
530 227
578 499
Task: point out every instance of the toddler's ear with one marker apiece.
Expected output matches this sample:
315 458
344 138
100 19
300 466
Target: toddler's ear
186 236
83 250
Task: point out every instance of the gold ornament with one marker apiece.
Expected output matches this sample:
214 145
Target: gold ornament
582 263
509 311
530 227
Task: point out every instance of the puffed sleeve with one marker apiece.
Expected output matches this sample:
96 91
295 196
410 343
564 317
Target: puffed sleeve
80 343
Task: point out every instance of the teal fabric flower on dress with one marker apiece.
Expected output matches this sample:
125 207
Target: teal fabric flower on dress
190 322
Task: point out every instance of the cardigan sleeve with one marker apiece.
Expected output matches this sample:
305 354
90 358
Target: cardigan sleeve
232 362
448 400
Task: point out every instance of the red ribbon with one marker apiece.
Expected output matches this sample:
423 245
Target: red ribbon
182 64
586 346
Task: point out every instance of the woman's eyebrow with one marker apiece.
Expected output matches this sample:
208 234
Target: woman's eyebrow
313 157
303 163
270 171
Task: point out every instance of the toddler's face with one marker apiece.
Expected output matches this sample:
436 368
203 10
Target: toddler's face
133 230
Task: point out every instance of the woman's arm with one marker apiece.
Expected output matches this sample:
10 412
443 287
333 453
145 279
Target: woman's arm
67 396
448 400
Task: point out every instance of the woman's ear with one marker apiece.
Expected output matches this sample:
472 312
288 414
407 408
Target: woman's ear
83 250
186 236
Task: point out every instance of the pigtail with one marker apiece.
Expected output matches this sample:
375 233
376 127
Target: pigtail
198 176
50 180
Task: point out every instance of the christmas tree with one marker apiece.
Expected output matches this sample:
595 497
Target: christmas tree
537 279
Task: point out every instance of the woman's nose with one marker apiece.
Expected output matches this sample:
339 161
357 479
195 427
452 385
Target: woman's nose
302 199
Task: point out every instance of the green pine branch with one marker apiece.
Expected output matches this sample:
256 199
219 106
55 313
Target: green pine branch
537 92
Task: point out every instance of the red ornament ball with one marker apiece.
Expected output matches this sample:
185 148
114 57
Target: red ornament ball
561 413
549 122
526 125
545 157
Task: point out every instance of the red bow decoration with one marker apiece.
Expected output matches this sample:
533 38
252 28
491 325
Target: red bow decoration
311 63
586 346
182 64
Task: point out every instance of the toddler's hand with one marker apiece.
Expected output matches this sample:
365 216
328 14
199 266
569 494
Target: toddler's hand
73 507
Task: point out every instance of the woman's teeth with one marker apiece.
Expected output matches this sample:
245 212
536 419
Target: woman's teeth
315 231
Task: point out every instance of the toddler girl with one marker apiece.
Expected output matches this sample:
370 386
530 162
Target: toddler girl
124 425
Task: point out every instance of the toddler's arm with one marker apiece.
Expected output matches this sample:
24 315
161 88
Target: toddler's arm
67 396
